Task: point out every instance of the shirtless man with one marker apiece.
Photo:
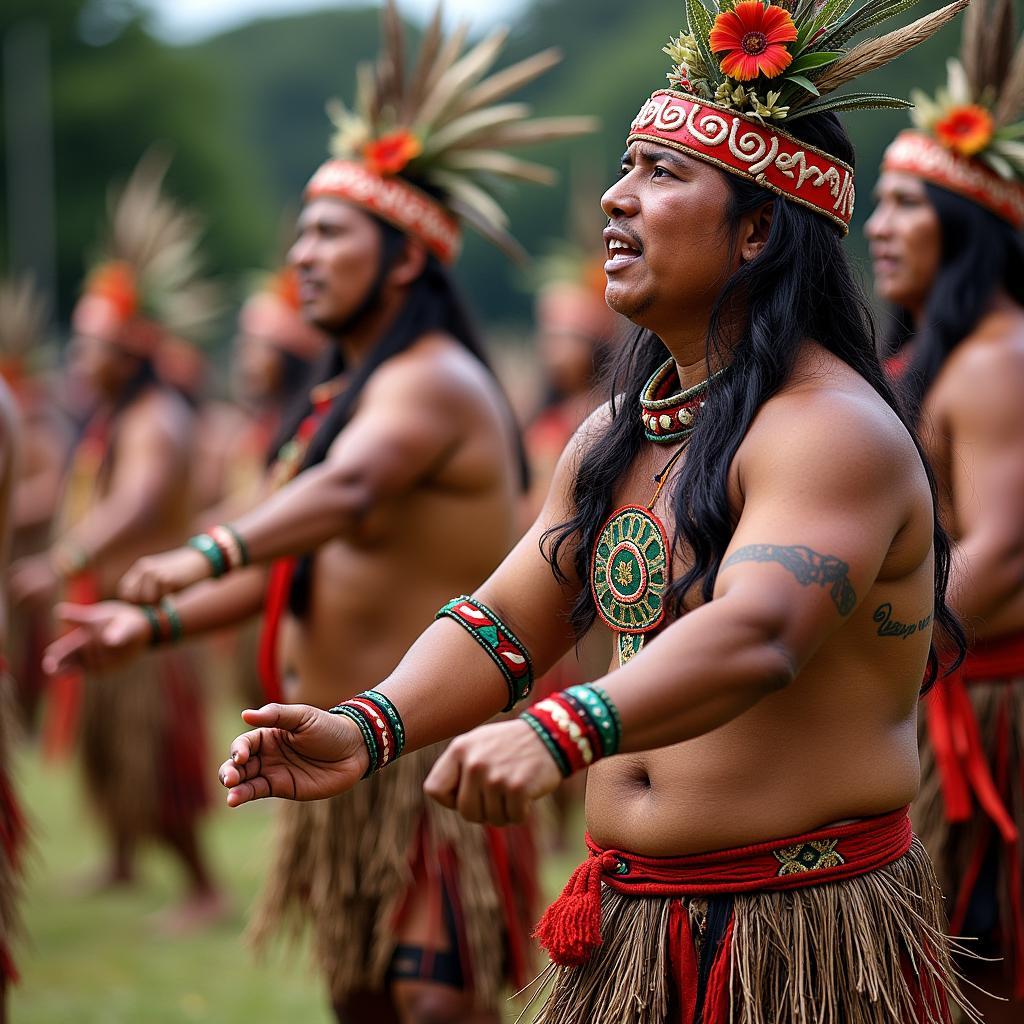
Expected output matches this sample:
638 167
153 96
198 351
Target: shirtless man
949 255
13 828
763 718
405 485
127 494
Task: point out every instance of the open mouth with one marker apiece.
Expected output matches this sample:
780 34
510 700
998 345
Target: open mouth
619 250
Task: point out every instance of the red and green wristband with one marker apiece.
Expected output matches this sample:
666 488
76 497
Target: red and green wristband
380 724
494 636
222 546
164 623
578 726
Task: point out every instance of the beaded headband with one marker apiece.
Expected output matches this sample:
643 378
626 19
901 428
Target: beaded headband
740 68
968 135
736 142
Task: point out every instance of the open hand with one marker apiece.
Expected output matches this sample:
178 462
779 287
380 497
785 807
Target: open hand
298 753
104 635
153 577
492 773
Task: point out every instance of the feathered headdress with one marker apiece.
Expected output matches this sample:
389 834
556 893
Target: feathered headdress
24 317
740 69
424 146
273 312
969 135
147 281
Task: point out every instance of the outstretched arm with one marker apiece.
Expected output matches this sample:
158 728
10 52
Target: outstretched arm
407 420
445 684
112 633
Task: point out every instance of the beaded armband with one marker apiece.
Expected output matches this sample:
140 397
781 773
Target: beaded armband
504 648
578 726
380 724
164 623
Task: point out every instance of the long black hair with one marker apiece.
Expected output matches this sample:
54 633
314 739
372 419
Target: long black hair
800 286
433 304
981 253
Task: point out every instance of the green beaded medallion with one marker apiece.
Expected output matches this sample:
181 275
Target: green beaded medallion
630 572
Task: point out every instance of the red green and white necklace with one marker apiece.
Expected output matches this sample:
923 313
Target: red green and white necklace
631 566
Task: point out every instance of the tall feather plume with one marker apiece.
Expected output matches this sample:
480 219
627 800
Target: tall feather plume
24 317
986 47
1010 107
876 53
160 241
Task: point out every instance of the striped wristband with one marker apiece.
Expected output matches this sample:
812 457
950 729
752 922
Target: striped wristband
208 547
379 723
164 623
578 726
227 539
504 648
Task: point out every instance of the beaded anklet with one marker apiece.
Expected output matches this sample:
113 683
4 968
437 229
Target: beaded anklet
578 726
164 623
381 726
503 646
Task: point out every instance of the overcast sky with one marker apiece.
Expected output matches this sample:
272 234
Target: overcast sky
188 20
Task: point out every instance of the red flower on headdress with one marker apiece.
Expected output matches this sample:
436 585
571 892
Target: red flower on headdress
115 282
751 36
390 153
968 129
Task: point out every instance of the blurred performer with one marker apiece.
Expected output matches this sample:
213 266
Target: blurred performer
45 443
12 822
751 858
575 333
400 481
948 253
127 495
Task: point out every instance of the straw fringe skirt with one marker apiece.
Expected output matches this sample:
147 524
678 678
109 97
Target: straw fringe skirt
955 848
144 752
344 867
867 950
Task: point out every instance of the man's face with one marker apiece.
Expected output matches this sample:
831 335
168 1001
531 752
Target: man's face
906 240
256 369
669 250
337 257
95 354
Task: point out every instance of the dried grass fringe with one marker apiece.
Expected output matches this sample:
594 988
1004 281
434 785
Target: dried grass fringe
831 954
122 730
343 869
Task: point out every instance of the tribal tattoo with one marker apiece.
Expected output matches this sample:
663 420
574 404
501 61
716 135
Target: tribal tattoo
809 567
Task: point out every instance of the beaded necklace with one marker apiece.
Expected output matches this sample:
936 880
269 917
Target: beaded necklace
632 563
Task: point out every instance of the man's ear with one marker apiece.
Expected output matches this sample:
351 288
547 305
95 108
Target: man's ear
754 231
410 265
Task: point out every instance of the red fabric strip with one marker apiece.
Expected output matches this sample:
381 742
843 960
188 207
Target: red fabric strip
683 958
279 585
570 929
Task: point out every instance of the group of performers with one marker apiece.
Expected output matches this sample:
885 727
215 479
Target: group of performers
788 552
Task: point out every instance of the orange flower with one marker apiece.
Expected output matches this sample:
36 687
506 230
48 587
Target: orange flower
115 282
390 153
751 36
968 130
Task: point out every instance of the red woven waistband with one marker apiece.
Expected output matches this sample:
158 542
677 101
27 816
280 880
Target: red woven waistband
570 929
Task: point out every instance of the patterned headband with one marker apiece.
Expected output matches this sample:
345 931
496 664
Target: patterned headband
741 145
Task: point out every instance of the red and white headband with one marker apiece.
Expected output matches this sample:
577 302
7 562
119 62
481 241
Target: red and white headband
743 146
398 202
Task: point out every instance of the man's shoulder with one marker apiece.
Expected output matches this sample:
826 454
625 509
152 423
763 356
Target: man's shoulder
157 410
993 350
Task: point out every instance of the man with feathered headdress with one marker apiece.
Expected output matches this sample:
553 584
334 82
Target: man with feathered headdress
739 520
949 255
398 479
127 494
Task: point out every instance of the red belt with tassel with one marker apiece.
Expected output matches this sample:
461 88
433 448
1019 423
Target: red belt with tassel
966 775
570 929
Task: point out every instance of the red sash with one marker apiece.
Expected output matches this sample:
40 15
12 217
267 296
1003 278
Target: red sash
570 929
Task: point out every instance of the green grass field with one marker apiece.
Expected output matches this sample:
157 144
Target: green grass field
97 959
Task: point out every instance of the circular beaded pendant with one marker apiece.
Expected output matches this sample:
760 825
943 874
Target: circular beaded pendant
630 571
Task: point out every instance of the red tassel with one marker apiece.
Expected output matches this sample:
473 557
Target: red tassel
717 998
570 929
683 958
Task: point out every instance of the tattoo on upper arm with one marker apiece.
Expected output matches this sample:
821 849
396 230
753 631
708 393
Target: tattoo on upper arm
809 567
